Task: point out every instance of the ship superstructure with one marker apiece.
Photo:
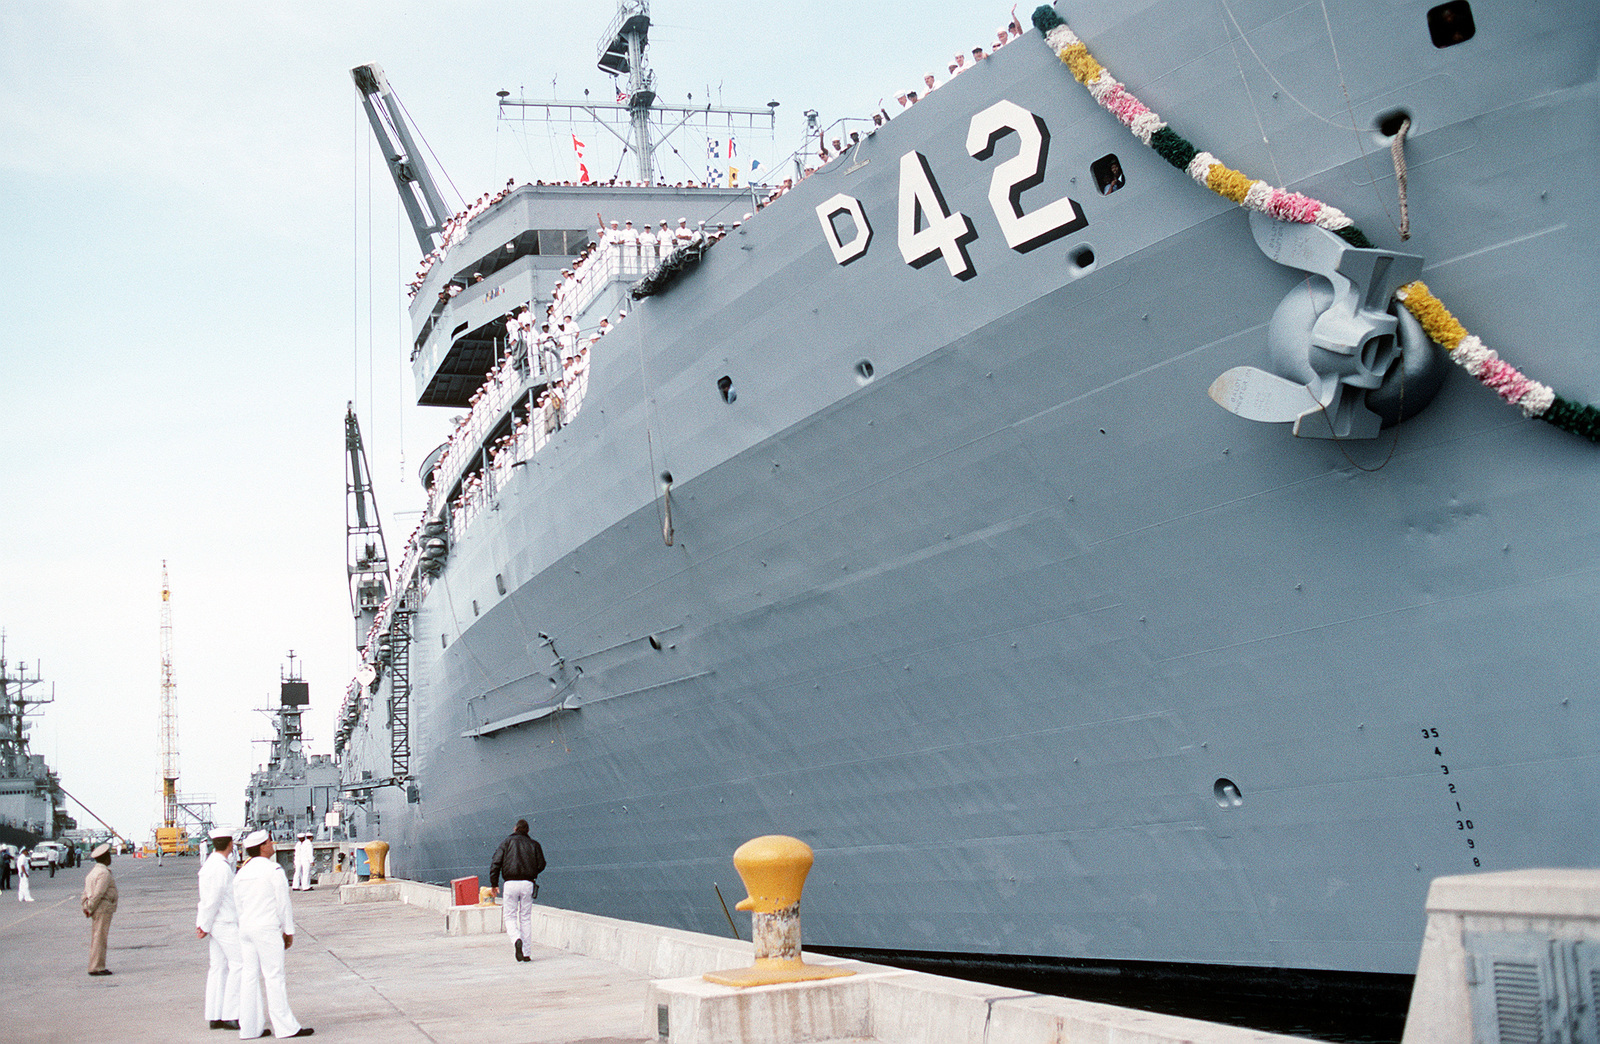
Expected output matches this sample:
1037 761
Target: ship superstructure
32 805
294 791
899 518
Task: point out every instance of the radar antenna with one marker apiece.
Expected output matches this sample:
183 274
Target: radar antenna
424 205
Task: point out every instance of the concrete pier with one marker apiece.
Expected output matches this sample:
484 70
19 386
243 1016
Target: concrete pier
396 963
381 972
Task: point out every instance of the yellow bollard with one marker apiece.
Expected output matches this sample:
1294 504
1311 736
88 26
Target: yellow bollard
377 852
773 869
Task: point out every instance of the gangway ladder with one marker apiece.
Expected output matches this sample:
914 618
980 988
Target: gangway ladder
400 689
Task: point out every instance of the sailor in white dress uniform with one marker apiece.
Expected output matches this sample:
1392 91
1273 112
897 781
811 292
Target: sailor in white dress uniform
304 856
217 920
266 930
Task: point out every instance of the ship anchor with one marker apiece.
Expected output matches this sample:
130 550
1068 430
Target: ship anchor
1343 365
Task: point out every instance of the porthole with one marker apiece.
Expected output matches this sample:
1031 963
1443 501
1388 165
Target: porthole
474 607
444 641
1227 793
1450 24
500 583
655 643
864 371
1108 175
725 389
666 478
1082 258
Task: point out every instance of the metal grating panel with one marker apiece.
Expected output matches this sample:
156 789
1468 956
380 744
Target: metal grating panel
400 692
1518 1003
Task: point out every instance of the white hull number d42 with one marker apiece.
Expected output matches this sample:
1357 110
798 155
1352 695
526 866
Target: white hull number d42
929 230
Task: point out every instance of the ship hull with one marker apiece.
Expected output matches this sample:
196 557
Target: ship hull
993 628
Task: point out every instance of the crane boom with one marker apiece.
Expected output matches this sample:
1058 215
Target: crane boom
420 196
367 557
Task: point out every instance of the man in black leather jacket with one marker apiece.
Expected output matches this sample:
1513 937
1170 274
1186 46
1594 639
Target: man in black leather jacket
519 860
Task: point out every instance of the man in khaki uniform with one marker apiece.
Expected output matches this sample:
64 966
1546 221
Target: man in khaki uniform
99 903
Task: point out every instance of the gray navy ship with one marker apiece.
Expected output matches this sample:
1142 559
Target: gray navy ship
1088 568
33 807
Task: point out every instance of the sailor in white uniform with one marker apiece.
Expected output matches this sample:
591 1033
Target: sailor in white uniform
304 854
218 921
266 930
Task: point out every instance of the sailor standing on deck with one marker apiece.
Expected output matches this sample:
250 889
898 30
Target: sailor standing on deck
304 854
266 930
24 864
218 921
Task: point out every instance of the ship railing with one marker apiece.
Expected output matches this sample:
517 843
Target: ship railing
546 412
613 261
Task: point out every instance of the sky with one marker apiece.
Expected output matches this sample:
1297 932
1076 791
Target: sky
206 259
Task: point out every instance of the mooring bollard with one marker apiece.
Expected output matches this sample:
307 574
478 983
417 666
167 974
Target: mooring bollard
773 869
376 851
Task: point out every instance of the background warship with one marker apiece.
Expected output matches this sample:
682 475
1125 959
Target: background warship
32 804
900 520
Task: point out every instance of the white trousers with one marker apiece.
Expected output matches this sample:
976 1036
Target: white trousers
518 912
262 952
24 892
302 876
227 969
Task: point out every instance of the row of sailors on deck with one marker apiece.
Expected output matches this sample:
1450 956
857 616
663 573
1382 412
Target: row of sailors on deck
1012 30
658 244
531 428
454 228
1007 33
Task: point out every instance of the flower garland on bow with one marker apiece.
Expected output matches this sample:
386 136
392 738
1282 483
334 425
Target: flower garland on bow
1467 351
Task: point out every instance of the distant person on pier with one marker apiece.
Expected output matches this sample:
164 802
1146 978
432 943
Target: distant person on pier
99 903
24 893
218 920
266 930
304 854
5 869
55 857
520 860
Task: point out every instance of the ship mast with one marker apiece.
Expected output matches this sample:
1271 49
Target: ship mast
622 50
169 711
15 699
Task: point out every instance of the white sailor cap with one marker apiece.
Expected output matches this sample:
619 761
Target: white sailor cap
258 837
220 831
100 850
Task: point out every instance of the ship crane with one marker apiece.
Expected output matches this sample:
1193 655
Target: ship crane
420 196
169 714
197 808
367 557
